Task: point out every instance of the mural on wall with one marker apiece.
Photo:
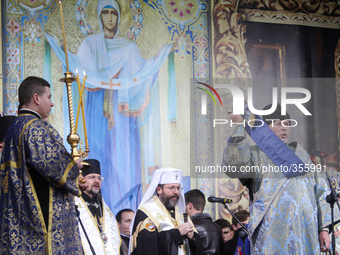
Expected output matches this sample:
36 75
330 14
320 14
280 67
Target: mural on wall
132 52
122 95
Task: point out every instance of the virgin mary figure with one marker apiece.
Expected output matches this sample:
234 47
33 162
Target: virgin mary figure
121 100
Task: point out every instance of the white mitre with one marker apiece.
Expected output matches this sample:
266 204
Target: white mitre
163 176
167 175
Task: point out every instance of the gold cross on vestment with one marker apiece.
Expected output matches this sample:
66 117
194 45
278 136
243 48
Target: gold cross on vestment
111 84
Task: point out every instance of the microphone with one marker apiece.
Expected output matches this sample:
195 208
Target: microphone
220 200
185 217
320 154
186 241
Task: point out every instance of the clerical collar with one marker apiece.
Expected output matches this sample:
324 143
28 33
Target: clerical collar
88 199
171 211
170 208
30 111
94 204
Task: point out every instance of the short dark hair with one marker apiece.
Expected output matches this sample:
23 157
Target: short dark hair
241 215
30 86
223 223
197 198
120 213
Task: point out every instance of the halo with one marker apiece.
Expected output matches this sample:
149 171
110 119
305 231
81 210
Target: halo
32 4
125 17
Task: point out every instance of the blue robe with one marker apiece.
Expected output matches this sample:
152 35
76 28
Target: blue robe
286 214
39 180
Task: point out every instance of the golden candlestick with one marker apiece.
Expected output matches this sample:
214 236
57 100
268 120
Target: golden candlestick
73 138
64 36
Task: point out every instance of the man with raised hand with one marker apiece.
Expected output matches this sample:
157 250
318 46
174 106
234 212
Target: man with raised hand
288 211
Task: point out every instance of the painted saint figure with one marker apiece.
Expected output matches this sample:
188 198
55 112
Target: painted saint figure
122 97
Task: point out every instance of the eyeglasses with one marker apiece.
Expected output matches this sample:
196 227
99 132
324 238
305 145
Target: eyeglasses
172 189
92 178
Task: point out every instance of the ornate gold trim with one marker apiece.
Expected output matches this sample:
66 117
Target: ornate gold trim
50 222
337 86
40 214
321 7
289 18
94 221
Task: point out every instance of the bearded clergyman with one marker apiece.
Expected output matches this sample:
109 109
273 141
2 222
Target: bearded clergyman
98 226
159 225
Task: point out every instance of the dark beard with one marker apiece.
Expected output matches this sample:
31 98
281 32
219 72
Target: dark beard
168 202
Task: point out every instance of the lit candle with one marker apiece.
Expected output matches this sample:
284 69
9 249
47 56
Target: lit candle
62 23
80 105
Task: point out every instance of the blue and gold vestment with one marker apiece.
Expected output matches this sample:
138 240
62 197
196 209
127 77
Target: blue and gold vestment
155 231
286 214
39 180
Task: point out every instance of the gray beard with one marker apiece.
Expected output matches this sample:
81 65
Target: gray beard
94 192
172 203
169 203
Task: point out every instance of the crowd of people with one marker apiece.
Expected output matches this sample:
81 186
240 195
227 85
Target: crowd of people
46 209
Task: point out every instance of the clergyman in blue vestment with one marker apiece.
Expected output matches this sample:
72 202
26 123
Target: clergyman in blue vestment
288 210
